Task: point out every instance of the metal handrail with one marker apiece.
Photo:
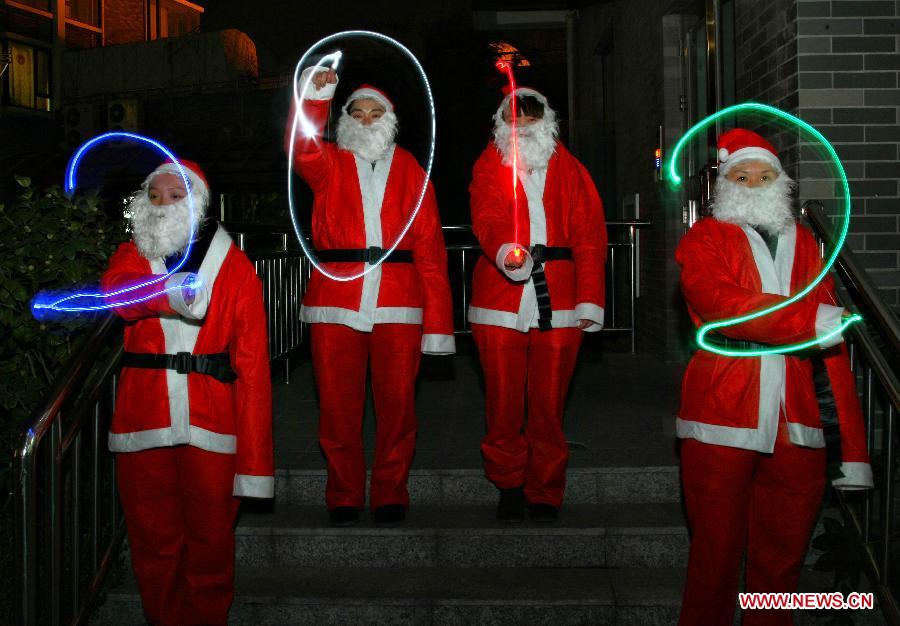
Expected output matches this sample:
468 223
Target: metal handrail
856 279
47 422
876 555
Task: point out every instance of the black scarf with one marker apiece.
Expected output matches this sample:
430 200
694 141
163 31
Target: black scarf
199 248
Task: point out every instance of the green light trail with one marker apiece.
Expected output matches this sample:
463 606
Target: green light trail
845 186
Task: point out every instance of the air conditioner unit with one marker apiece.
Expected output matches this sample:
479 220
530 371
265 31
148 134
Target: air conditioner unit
124 116
79 124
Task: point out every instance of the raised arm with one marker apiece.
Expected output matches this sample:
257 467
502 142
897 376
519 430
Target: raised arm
312 155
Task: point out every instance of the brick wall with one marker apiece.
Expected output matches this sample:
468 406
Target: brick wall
836 65
124 21
766 66
848 66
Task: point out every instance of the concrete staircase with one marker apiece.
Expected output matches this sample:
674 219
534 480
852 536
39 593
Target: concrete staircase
616 556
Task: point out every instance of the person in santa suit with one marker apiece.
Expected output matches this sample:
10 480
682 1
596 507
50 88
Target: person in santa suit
537 287
366 188
192 427
753 449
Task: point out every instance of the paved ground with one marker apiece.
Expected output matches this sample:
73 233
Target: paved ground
620 412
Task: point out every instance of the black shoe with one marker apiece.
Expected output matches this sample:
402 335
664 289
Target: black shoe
511 507
542 513
343 515
390 514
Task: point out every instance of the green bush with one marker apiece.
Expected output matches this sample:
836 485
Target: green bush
49 242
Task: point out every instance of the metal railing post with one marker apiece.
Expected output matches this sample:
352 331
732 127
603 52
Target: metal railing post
887 495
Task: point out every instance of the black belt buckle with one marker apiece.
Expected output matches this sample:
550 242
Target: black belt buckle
184 362
373 254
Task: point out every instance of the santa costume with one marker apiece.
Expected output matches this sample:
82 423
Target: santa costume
192 427
525 320
366 188
753 457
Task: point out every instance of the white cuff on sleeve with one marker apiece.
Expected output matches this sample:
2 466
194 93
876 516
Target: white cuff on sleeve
438 344
311 93
592 312
197 309
828 320
856 476
518 275
254 486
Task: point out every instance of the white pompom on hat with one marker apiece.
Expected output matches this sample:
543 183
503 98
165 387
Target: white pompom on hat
740 144
374 93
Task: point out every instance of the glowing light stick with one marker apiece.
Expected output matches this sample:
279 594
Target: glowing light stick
309 130
676 179
506 66
70 303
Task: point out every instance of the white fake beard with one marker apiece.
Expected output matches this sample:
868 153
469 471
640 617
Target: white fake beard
767 207
369 142
160 231
536 141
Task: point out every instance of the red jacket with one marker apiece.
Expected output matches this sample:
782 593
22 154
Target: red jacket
558 207
727 271
350 214
160 407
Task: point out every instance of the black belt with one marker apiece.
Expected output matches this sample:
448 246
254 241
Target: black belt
540 254
721 341
364 255
216 365
550 253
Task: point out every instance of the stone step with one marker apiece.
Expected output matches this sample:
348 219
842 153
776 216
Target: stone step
452 487
455 595
636 535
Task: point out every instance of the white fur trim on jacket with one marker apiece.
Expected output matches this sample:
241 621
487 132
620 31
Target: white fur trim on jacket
254 486
828 320
171 436
438 344
176 296
519 274
356 321
856 476
312 93
591 312
506 319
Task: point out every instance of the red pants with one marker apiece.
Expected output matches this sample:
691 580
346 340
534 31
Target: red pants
533 454
340 356
737 499
180 515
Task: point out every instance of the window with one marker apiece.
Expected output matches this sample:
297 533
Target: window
29 76
84 11
176 19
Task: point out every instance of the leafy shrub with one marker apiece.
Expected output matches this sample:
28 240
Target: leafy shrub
49 241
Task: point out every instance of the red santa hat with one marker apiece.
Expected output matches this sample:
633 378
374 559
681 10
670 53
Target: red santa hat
740 144
195 175
374 93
